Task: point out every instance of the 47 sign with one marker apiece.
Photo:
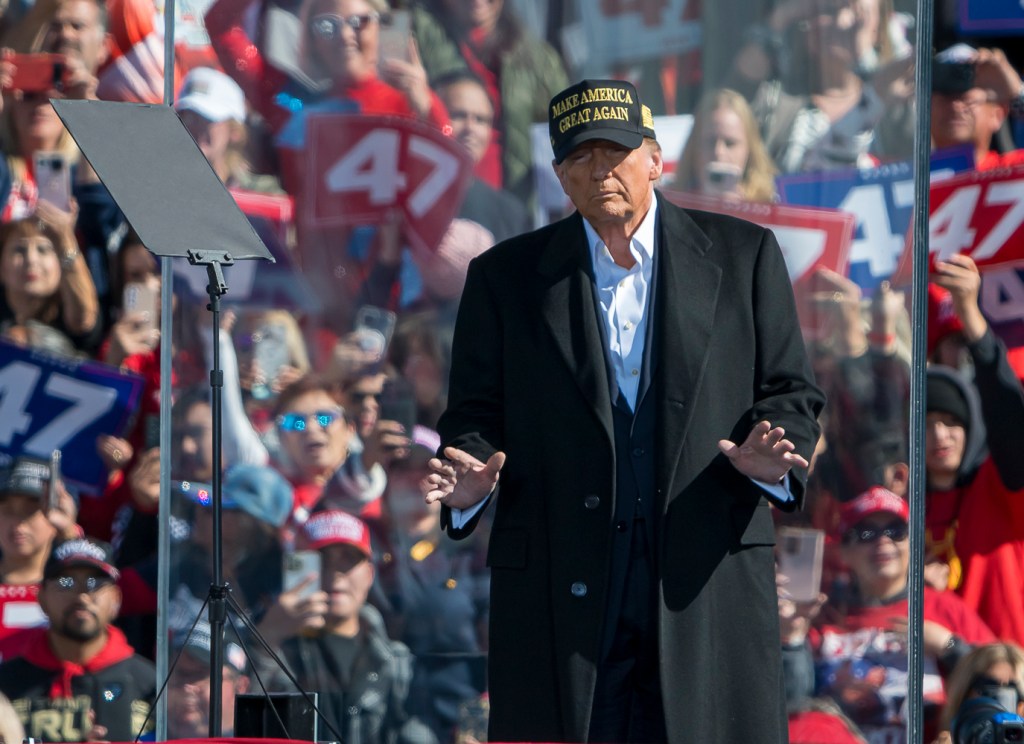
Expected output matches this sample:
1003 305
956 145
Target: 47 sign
49 403
363 167
979 214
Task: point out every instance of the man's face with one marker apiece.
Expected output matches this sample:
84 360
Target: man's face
77 31
878 559
944 442
81 603
346 575
24 529
953 117
188 698
610 184
471 115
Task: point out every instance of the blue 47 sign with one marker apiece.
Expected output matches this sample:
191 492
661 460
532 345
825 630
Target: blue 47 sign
882 202
991 16
52 403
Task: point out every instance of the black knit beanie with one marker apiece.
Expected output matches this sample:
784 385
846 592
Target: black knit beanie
944 395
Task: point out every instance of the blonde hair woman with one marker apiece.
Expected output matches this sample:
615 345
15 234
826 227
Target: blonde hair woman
724 155
997 664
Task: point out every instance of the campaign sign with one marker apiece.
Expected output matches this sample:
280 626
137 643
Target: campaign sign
1000 17
360 168
882 201
50 402
810 239
632 30
979 214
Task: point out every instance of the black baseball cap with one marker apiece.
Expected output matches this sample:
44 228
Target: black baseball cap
81 552
26 475
953 70
598 109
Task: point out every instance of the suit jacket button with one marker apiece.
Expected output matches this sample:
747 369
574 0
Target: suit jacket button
621 526
592 502
579 589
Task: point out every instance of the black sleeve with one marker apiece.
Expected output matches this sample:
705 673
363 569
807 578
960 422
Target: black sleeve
1002 408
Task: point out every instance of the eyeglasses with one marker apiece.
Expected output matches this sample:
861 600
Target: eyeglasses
329 26
895 531
298 421
87 585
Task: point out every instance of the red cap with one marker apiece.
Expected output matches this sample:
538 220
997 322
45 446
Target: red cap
942 319
336 528
876 499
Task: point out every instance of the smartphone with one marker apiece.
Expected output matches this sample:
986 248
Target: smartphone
800 552
296 567
395 32
53 178
723 178
52 491
37 73
397 403
270 352
142 301
374 327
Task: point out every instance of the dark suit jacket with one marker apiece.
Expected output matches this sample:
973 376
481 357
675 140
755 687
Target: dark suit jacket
529 378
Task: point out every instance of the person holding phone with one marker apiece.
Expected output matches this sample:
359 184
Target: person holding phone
361 675
859 646
724 155
45 277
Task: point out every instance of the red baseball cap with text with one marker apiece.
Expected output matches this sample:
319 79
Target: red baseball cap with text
336 527
873 501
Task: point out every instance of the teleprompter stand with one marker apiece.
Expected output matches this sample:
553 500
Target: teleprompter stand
178 206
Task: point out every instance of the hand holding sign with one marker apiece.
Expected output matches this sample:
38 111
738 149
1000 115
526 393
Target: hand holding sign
960 276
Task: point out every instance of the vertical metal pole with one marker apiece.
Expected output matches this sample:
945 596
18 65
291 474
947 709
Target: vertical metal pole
163 585
918 378
218 592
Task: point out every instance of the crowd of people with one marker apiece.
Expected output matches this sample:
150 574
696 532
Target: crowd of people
332 396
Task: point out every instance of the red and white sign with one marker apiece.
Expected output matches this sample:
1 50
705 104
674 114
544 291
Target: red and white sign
360 168
979 214
810 238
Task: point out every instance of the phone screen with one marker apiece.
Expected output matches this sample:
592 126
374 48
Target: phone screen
800 553
296 568
141 301
394 36
53 178
398 403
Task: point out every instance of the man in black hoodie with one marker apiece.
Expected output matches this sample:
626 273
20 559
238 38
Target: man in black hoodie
975 472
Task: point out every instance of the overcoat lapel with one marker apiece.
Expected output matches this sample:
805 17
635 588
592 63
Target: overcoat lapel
567 305
688 285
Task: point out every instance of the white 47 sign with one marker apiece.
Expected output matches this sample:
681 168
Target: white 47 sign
363 167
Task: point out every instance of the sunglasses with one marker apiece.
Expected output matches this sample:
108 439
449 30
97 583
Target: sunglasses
329 26
299 421
895 531
88 585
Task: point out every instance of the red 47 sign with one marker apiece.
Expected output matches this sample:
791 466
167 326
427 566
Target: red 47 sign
977 213
810 238
363 167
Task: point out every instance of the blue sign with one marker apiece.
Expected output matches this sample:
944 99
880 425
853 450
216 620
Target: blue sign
50 402
881 199
999 17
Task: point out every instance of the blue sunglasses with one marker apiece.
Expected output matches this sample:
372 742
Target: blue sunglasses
299 421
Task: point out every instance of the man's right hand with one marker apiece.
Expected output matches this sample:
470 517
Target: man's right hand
462 481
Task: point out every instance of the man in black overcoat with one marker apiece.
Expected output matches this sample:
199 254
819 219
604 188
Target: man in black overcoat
636 375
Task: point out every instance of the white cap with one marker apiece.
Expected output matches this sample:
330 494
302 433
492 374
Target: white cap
212 95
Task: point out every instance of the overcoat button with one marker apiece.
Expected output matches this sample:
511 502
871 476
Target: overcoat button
621 526
592 502
579 589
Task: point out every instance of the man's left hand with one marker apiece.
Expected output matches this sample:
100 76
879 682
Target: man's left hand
766 455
